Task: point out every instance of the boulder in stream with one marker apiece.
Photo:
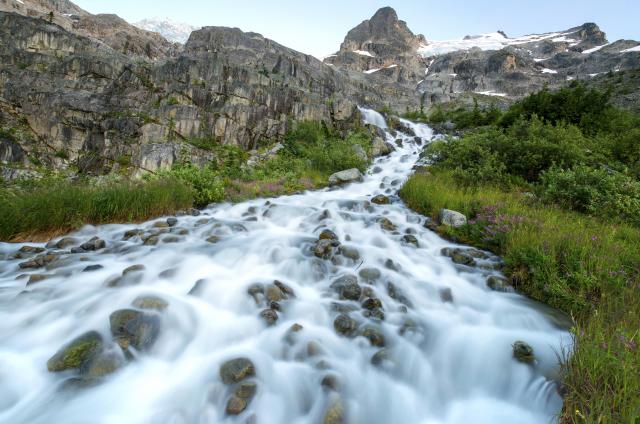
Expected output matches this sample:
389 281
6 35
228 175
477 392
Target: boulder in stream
346 176
77 353
522 352
237 369
133 328
452 218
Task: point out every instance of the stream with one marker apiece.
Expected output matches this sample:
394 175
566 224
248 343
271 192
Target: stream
373 325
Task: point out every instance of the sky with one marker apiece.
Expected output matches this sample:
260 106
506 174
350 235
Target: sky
319 27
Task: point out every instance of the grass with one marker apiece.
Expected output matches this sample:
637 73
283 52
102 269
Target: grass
57 205
583 265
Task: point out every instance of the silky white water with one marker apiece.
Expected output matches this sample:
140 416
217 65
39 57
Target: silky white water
454 365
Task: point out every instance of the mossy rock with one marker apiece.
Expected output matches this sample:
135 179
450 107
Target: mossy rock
522 352
76 353
150 302
236 370
132 328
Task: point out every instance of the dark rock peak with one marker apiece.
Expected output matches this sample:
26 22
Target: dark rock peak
384 27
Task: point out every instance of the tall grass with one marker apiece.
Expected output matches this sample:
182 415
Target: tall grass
57 205
582 265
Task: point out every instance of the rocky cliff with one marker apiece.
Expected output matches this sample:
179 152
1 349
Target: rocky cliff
67 99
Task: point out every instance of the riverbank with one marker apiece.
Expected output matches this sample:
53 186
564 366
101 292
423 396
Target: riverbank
36 209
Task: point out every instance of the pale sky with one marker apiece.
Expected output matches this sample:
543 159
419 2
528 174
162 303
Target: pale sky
319 27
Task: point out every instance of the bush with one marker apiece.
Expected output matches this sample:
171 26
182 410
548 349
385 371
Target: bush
206 184
598 192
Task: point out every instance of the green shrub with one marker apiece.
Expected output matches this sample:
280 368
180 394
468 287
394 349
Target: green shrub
594 191
206 184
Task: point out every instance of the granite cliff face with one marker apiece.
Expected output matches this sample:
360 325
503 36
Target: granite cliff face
73 100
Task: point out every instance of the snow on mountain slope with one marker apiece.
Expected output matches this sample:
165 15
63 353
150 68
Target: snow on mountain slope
173 31
493 41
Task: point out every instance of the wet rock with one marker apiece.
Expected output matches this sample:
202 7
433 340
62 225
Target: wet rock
131 234
452 218
78 383
331 382
275 306
334 414
286 290
386 224
389 264
381 356
76 353
133 328
93 244
396 294
102 365
133 269
347 286
241 398
235 370
446 295
475 253
161 224
372 303
36 278
38 261
463 259
499 284
273 293
179 231
369 275
168 273
398 142
376 170
410 239
380 199
63 243
374 335
31 249
91 268
269 316
151 241
256 291
150 302
171 221
343 308
328 235
345 325
349 252
213 239
171 239
198 287
522 352
325 249
375 314
346 176
379 147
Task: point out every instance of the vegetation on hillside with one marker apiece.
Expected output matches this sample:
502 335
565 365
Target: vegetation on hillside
552 186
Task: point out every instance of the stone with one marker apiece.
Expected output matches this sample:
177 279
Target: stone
410 239
235 370
347 286
345 325
91 268
133 328
331 382
38 261
386 224
446 295
346 176
380 357
286 290
151 241
171 221
522 352
31 249
328 235
133 269
36 278
369 275
372 303
161 224
76 353
499 284
374 335
452 218
129 234
213 239
396 294
380 199
334 414
269 316
273 293
93 244
349 252
325 249
241 398
64 243
150 302
463 259
379 147
102 365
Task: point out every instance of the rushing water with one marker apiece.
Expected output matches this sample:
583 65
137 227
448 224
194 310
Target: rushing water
449 358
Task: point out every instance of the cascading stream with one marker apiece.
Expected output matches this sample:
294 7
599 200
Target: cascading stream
433 344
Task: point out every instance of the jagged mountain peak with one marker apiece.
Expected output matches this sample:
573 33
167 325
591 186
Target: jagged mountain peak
177 32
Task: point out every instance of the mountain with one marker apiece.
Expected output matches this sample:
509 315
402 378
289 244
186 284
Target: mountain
173 31
488 65
73 96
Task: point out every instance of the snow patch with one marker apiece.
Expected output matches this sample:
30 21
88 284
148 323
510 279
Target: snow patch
363 53
491 93
549 71
595 49
632 49
173 31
